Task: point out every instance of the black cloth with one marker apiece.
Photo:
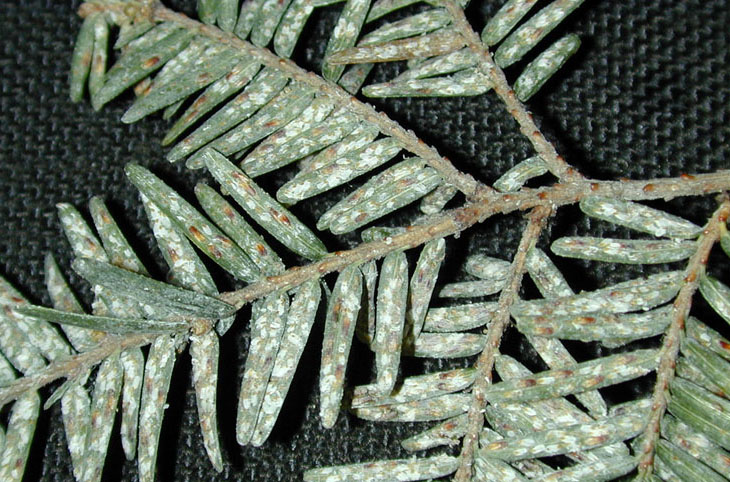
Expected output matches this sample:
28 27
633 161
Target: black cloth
646 96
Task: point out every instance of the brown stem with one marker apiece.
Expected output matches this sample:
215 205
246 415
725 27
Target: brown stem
489 204
500 321
544 148
485 202
73 366
446 224
670 346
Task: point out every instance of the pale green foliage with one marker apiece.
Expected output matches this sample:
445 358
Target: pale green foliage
268 115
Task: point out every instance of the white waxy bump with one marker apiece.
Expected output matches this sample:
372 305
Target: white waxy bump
267 212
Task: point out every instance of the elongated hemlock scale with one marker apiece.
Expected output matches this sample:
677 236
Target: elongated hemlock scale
259 92
187 270
271 135
157 374
239 230
390 319
314 114
420 387
103 407
299 322
131 361
342 312
446 345
422 285
381 195
263 209
268 324
195 226
204 353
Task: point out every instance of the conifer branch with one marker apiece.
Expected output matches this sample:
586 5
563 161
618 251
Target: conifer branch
463 182
544 148
491 203
537 219
73 366
446 224
304 117
670 347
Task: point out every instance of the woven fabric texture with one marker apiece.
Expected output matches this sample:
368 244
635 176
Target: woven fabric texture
646 96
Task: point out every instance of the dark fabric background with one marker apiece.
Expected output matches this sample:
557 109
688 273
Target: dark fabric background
646 96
